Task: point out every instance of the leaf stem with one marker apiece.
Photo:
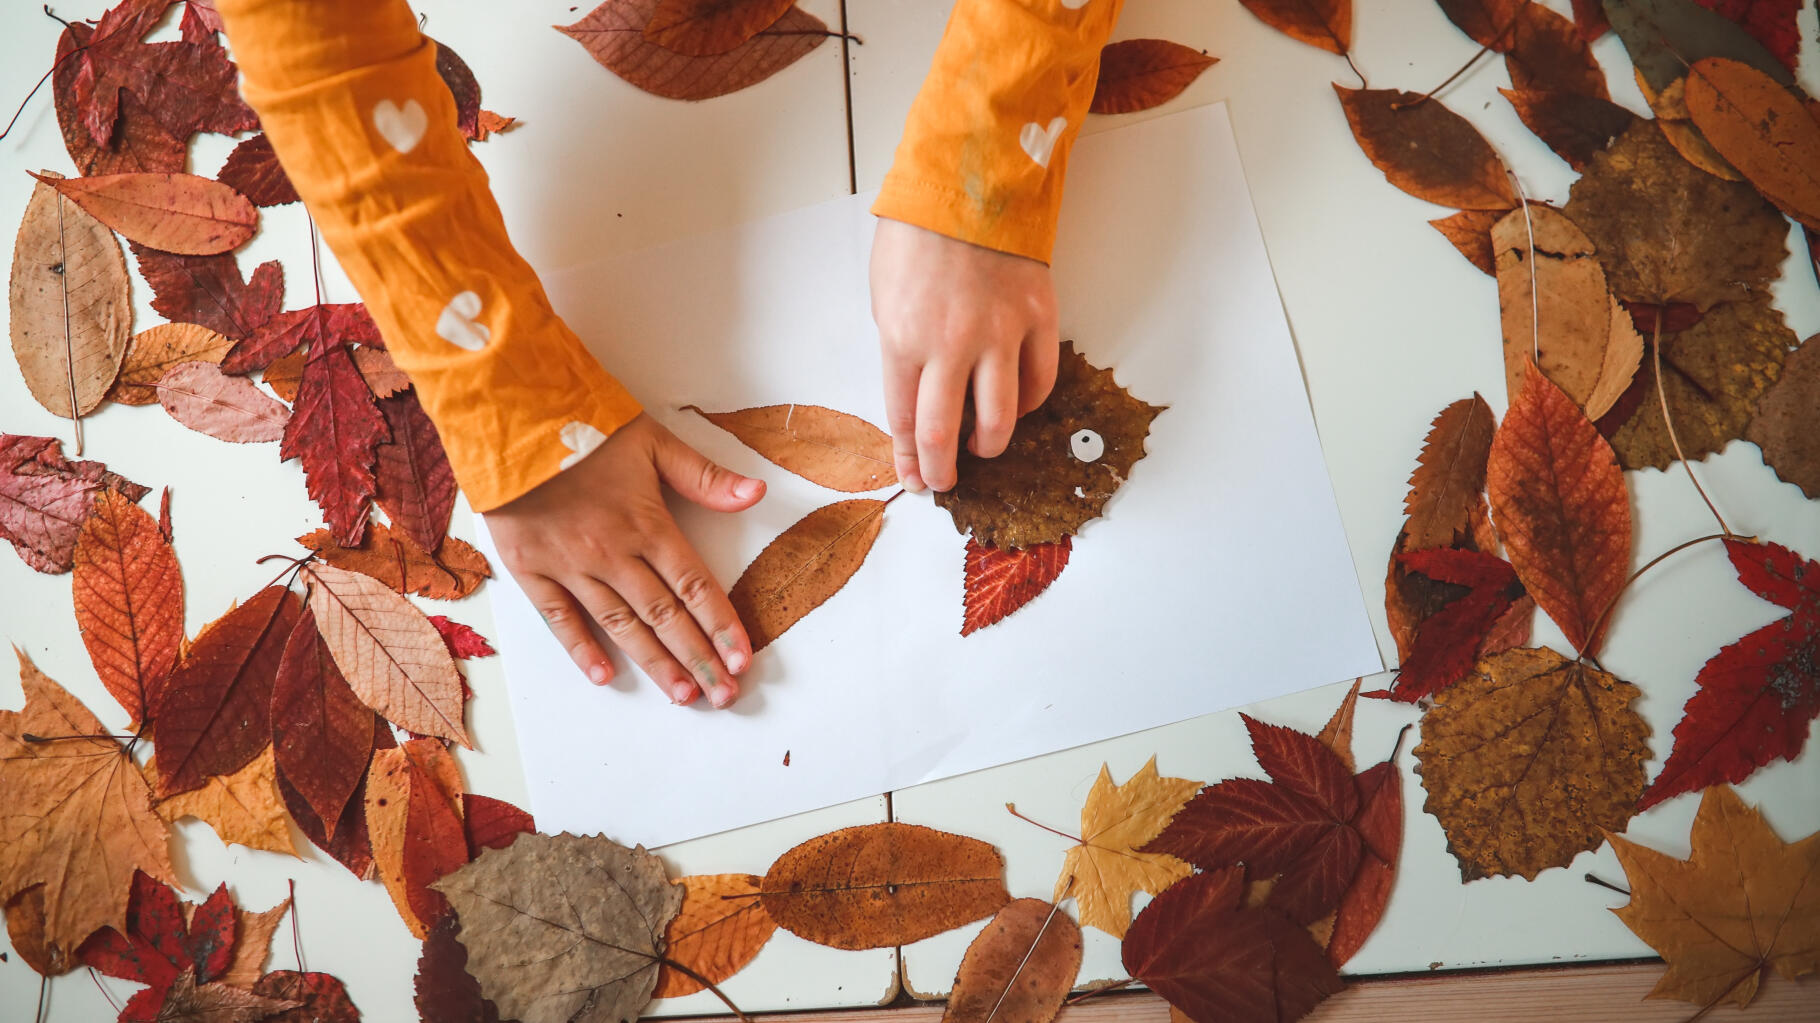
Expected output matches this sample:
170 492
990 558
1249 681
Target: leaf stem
1601 882
296 942
28 96
1592 634
1655 353
1111 985
704 982
1474 59
34 739
1012 809
53 16
1363 84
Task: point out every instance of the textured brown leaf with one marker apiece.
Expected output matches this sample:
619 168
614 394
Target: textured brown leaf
190 1002
321 733
721 928
1545 51
44 499
252 169
25 929
318 997
880 885
1762 129
1787 423
201 397
1526 760
416 486
1019 967
160 348
390 654
70 304
1426 149
614 35
1557 310
804 566
128 592
1137 74
180 213
1326 24
208 290
834 449
1574 125
1449 475
543 955
244 808
1470 232
1677 124
456 570
703 28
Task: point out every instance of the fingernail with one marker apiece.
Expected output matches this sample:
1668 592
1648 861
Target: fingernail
600 674
682 692
720 696
731 655
911 481
746 490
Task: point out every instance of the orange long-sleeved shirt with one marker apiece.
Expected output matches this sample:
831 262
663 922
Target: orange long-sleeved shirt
349 96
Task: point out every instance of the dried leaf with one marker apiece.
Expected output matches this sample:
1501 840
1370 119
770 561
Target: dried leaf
722 926
1379 823
1137 74
315 998
252 169
415 485
25 929
335 430
463 642
881 885
1109 866
75 814
213 716
158 349
455 571
444 990
44 499
187 86
1470 232
1449 642
163 938
703 28
1770 22
191 1002
1449 475
244 808
492 823
413 807
390 654
1665 36
382 375
139 141
1556 308
804 566
1760 128
209 291
180 213
614 35
349 843
1336 735
545 957
1019 967
1787 423
834 449
1574 125
70 305
201 397
1742 904
1326 24
1544 51
128 591
1000 582
284 373
491 124
1589 18
325 325
252 943
322 734
1527 760
1065 461
1677 124
464 88
1426 149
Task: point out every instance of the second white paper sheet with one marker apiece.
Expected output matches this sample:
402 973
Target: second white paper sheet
1218 576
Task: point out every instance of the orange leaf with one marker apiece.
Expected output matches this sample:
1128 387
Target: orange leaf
1019 967
453 572
1470 232
181 213
244 808
128 591
1427 150
1560 503
703 28
837 450
414 820
614 34
1138 74
804 566
1323 23
159 348
1762 130
25 928
721 927
1449 476
252 943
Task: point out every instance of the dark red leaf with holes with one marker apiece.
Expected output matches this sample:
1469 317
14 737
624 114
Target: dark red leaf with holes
209 290
1001 581
416 487
252 169
1449 641
462 640
492 823
324 998
45 497
336 430
322 735
186 86
446 993
152 949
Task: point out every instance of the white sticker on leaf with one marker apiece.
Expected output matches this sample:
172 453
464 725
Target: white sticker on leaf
1087 445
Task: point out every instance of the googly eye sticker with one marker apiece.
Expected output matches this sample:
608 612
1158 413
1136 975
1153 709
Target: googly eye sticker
1087 445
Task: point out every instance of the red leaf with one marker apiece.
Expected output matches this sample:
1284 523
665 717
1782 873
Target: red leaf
252 169
170 211
462 640
1218 963
187 86
319 326
322 735
201 21
209 290
139 142
336 429
208 941
45 497
128 592
446 993
1304 765
1757 696
435 846
416 487
492 823
1380 825
1000 581
325 999
213 715
1770 22
349 845
614 34
463 86
1449 641
152 949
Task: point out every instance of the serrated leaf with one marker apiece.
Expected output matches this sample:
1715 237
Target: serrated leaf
999 582
128 591
1111 865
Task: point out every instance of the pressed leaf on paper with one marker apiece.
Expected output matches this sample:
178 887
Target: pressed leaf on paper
1326 24
463 642
322 734
70 305
327 325
614 35
139 141
1544 50
1111 864
44 499
703 28
804 566
1426 149
1000 582
244 808
837 450
1677 124
881 885
1019 967
454 571
158 349
209 291
543 956
180 213
335 430
721 927
492 823
186 86
1744 903
252 169
1470 232
349 843
1770 22
413 808
1379 823
415 485
128 592
1574 125
382 375
1762 129
1787 422
201 397
189 1001
253 932
1526 761
1137 74
162 939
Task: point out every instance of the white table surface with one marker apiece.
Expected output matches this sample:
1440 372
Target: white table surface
1391 324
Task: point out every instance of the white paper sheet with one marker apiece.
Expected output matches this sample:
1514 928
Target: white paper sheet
1219 575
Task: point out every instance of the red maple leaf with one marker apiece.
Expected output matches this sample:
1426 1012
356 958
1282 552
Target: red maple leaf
1450 641
44 498
462 640
318 327
416 486
335 430
1770 22
159 944
209 290
201 21
1000 581
1757 696
186 86
252 169
492 823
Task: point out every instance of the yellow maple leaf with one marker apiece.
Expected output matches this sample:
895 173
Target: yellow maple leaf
1106 867
1744 902
244 808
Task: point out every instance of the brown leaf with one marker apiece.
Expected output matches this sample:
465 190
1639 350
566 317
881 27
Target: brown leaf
252 943
1573 124
1019 967
1326 24
285 373
1677 124
376 367
880 885
1426 149
391 655
25 929
1444 490
703 28
455 571
201 397
1556 309
1762 129
721 928
190 1002
70 305
444 990
540 956
1527 759
1544 50
180 213
322 734
316 997
1336 735
1664 36
1137 74
128 592
613 34
837 450
1470 232
244 808
1787 423
158 349
804 566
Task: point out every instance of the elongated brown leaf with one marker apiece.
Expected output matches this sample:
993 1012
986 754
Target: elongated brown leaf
201 397
1020 967
1761 129
1787 424
804 566
1426 149
614 34
322 734
837 450
180 213
1326 24
156 350
1556 308
1450 475
721 928
883 884
390 654
70 304
1137 74
703 28
128 591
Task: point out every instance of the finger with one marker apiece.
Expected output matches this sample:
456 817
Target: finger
939 396
687 646
691 474
682 571
901 377
566 621
1036 368
995 395
635 639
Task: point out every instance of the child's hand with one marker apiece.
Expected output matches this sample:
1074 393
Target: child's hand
596 543
948 313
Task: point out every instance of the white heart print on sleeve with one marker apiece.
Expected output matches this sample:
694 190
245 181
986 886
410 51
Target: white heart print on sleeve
581 439
401 125
457 326
1039 142
1075 5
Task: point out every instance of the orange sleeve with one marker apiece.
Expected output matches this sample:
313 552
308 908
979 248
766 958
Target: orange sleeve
348 93
986 145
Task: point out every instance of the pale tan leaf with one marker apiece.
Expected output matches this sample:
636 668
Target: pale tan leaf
201 397
1555 305
1623 354
70 304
